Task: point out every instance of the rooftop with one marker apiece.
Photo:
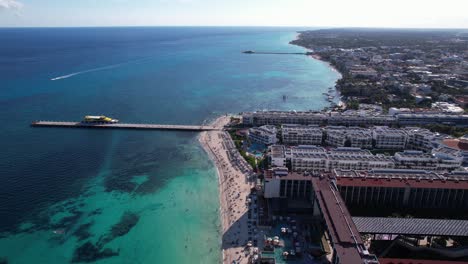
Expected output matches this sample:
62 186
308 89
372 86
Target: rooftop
411 226
344 234
456 144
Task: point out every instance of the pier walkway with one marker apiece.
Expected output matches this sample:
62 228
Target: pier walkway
124 126
275 53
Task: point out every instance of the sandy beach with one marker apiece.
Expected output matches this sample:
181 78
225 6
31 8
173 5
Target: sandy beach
234 187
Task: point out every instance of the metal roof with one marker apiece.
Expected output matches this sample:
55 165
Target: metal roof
411 226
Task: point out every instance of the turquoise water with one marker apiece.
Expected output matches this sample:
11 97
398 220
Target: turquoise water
145 196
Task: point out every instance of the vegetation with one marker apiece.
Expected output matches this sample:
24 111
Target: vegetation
238 141
352 104
449 130
250 159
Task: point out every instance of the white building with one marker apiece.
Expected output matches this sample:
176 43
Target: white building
359 161
336 136
448 108
422 139
317 160
301 135
355 137
389 138
450 158
277 155
415 160
263 135
307 158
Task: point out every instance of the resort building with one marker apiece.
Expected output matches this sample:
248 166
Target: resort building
356 137
315 159
422 139
283 117
358 161
339 119
335 136
402 189
416 160
320 198
277 154
450 158
263 135
359 138
389 138
427 119
309 161
301 135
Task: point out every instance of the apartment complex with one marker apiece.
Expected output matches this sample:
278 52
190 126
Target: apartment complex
356 137
301 135
322 118
422 139
263 135
389 138
313 159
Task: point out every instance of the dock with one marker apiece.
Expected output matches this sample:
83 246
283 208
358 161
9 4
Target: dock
193 128
276 53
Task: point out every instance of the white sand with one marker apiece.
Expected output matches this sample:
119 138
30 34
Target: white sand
233 190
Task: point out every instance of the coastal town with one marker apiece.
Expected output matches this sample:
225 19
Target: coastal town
380 178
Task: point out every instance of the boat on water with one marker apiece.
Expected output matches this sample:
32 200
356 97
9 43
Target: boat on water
248 52
99 119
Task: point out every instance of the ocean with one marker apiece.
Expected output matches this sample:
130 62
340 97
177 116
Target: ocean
100 196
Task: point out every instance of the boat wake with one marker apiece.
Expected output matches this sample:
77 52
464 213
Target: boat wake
87 71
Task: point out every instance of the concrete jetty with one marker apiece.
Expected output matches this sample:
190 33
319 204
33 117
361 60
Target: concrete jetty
276 53
123 126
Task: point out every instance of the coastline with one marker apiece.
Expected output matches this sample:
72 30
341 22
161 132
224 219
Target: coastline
316 56
233 190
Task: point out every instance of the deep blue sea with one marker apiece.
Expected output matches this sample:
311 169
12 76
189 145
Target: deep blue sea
130 196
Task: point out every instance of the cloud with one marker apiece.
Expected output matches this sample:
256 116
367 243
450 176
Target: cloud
10 5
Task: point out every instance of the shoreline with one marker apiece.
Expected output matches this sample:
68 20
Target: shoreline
315 56
233 190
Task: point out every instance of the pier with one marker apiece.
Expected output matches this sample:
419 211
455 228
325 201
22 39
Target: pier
193 128
276 53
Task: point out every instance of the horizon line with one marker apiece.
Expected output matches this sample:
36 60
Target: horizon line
242 26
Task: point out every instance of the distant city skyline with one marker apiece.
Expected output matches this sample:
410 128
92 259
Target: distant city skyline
307 13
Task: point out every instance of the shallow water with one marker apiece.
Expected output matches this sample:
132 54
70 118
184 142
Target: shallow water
150 197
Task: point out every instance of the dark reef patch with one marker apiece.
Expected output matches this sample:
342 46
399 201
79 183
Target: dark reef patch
95 212
126 223
89 252
82 233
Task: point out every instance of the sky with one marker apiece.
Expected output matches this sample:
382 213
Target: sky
309 13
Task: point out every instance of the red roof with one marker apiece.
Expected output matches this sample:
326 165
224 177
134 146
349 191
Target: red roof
402 183
337 219
456 144
416 261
